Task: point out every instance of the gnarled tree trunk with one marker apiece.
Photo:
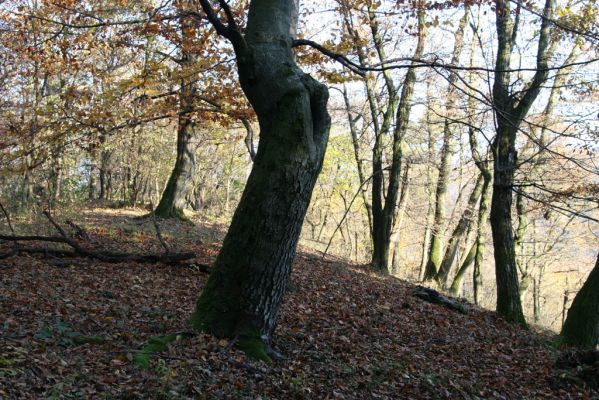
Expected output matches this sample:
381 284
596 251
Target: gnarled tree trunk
244 292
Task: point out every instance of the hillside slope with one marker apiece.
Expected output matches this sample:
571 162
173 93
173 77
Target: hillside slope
71 332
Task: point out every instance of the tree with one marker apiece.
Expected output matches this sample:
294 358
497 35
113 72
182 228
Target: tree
383 225
243 294
435 251
460 231
582 324
510 110
397 104
178 186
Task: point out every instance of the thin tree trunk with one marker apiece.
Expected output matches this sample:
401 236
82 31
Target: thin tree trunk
359 163
481 238
476 253
383 224
429 191
510 111
93 155
459 232
532 174
435 252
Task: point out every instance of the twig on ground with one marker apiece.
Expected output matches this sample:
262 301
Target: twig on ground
167 249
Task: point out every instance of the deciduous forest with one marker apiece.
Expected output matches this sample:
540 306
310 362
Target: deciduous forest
259 199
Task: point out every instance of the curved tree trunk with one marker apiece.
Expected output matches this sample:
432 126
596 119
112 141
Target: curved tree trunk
174 197
244 292
359 162
582 324
476 253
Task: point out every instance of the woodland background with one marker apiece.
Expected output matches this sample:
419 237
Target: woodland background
93 93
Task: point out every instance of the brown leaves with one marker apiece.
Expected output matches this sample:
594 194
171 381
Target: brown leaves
345 333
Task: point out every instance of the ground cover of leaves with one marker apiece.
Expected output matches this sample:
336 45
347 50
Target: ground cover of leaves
346 334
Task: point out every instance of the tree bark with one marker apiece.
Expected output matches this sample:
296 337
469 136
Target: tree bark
459 232
510 111
384 221
174 197
582 324
243 294
435 252
398 221
429 190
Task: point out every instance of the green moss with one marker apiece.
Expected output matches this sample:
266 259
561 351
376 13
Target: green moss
254 347
171 212
155 345
216 311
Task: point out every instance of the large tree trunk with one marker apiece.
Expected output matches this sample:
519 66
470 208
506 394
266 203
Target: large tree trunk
244 292
174 197
582 324
506 273
178 186
104 174
380 218
398 221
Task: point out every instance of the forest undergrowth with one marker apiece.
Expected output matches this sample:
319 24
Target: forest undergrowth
73 329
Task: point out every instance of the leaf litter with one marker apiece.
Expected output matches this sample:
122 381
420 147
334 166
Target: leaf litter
74 331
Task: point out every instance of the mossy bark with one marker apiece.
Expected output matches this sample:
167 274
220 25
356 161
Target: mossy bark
242 297
435 252
582 324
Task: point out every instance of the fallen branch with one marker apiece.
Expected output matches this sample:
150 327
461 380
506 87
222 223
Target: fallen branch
79 231
79 251
432 296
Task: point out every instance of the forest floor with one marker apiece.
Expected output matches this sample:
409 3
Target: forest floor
71 331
